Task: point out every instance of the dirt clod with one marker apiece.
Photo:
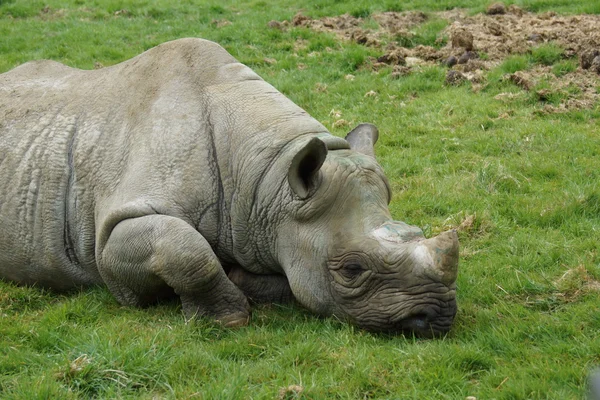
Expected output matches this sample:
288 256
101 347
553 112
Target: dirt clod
516 10
466 56
596 65
359 37
548 15
454 77
496 9
472 65
462 38
451 61
400 70
494 28
520 79
591 60
275 24
588 57
300 19
393 57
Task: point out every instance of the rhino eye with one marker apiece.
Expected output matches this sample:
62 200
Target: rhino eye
351 270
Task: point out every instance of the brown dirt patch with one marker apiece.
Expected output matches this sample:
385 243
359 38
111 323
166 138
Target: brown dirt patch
347 27
473 44
575 283
575 91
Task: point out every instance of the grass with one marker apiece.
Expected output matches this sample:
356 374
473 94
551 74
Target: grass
426 34
524 183
547 54
564 67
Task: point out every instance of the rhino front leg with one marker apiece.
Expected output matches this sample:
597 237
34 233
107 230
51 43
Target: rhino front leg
262 288
145 254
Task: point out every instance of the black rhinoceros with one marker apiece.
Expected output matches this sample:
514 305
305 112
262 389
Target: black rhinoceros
182 172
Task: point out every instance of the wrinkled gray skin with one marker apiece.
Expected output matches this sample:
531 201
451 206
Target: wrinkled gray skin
182 172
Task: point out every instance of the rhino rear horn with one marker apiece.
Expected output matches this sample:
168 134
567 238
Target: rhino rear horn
303 175
363 139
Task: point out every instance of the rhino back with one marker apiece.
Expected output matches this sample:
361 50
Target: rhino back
35 150
182 130
74 142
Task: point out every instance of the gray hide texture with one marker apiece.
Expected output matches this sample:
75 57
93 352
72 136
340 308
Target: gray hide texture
181 172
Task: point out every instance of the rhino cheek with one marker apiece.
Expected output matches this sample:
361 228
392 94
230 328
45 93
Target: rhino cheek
307 281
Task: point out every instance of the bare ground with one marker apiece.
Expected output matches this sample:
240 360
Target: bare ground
471 45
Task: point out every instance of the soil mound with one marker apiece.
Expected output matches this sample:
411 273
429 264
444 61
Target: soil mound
473 44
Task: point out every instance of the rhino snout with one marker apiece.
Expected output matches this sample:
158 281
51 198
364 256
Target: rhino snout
426 324
421 298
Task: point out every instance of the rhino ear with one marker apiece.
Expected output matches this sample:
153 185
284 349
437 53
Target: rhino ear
363 139
303 175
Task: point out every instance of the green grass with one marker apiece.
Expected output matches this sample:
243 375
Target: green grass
426 34
547 54
516 63
564 67
528 320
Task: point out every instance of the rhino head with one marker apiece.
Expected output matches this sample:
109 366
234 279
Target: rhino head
342 253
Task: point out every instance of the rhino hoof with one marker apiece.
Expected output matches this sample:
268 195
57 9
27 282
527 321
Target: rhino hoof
234 320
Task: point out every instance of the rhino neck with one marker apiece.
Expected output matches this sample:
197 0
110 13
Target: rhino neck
255 141
262 202
257 131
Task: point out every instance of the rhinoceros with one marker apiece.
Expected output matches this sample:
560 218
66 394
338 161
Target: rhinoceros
182 173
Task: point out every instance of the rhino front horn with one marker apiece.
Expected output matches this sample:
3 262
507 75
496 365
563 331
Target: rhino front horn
442 251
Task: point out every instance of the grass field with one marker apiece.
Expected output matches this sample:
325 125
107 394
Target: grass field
522 185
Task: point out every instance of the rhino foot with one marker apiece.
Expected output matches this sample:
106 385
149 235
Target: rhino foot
145 254
229 309
235 320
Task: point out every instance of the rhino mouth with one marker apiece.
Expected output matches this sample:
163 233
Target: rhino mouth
425 321
422 325
432 320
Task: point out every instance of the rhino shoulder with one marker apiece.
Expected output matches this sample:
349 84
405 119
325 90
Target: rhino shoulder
198 58
192 52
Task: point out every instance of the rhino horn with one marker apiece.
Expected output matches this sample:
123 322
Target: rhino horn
363 139
303 175
442 254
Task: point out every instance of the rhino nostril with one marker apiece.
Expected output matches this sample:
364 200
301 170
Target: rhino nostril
416 323
425 325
